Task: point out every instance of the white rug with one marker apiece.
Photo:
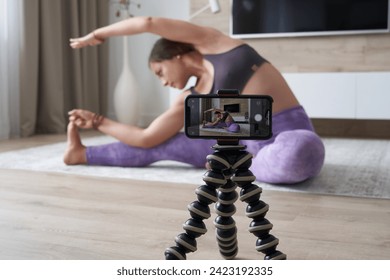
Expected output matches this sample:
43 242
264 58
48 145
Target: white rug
352 168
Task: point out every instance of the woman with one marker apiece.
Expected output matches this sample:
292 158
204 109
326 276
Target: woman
223 120
294 154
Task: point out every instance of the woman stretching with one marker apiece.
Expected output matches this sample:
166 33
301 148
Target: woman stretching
223 120
294 153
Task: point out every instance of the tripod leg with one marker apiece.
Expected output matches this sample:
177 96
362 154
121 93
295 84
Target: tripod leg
199 210
256 208
226 230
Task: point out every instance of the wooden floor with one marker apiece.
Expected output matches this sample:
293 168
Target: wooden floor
59 216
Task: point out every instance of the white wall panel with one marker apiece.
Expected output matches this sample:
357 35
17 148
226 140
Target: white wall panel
373 95
325 95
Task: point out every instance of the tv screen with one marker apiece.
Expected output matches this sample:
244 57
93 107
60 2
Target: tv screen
232 108
277 18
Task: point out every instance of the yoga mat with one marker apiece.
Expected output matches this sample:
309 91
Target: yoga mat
353 167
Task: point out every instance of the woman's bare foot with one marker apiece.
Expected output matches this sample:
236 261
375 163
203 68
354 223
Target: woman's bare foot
75 151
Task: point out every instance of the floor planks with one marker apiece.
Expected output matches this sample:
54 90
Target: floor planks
60 216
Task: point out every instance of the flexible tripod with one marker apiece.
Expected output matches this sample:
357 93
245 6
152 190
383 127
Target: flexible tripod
229 168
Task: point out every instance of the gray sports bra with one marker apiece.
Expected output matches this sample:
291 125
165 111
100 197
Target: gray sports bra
233 69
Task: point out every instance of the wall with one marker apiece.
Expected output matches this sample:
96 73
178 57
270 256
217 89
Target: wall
346 55
352 53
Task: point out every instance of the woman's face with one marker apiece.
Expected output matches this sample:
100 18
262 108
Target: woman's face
171 72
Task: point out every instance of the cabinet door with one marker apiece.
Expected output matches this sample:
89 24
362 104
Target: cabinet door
325 95
373 95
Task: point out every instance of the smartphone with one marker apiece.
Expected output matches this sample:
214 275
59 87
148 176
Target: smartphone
228 117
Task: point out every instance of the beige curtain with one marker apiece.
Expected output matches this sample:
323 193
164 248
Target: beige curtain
54 77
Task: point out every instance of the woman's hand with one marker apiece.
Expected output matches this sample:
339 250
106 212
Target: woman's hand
85 119
89 40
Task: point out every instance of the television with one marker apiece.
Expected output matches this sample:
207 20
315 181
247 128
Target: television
289 18
232 108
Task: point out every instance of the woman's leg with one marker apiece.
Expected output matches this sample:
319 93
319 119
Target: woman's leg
179 148
233 127
211 125
293 157
295 152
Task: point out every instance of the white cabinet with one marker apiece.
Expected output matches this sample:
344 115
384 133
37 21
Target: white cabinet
343 95
325 95
373 95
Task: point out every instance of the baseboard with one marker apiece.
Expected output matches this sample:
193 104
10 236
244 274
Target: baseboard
378 129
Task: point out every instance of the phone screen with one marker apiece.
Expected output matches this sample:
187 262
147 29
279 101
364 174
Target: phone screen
233 117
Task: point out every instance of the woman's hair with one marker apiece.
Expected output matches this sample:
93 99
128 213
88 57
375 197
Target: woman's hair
165 49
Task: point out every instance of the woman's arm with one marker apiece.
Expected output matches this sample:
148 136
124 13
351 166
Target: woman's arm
217 121
214 110
205 39
161 129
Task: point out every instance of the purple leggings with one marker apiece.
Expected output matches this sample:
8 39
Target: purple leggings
230 126
294 153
